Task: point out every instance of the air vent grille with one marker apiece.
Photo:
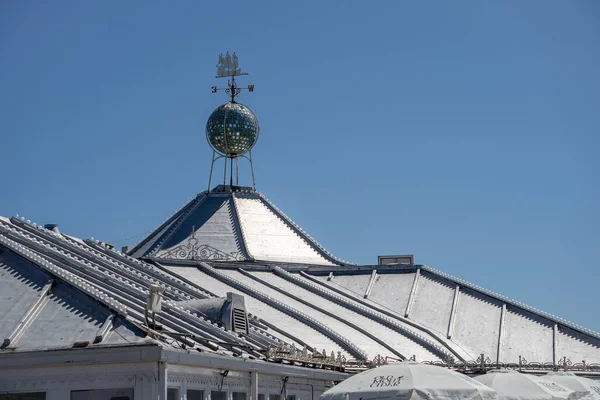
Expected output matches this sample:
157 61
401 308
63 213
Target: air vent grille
239 320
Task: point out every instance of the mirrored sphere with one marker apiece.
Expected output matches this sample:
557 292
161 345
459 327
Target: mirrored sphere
232 129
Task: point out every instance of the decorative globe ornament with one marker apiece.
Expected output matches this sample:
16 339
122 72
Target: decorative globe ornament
232 129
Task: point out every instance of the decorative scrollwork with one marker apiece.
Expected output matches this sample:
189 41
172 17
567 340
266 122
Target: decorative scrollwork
483 363
564 361
379 360
291 354
192 250
483 360
235 90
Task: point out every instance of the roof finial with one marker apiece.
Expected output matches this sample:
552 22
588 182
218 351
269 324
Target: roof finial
232 129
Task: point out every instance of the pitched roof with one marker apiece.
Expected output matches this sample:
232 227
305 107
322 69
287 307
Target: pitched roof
73 289
225 225
39 311
357 312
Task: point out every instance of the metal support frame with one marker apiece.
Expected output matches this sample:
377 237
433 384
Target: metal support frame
371 283
413 292
501 332
554 343
216 156
105 329
453 311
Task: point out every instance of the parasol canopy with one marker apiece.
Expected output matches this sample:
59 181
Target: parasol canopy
577 383
512 385
409 380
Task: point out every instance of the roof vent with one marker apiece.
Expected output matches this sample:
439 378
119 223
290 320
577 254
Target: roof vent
52 227
229 312
396 260
126 249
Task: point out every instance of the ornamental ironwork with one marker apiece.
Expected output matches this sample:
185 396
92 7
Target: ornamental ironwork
193 250
291 354
483 363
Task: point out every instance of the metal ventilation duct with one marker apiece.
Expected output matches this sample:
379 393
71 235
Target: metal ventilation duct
230 311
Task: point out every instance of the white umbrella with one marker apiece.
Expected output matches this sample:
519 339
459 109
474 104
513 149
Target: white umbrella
409 380
577 383
511 385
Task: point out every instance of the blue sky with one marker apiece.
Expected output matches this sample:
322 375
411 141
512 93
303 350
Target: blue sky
466 133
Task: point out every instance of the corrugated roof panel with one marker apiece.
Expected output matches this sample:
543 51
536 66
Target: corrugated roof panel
393 290
268 238
20 286
477 322
208 233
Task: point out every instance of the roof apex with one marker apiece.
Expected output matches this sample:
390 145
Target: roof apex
232 223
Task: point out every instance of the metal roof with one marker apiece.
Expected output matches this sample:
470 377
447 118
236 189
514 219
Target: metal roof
225 225
39 311
362 313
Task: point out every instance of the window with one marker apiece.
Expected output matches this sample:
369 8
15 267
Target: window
172 394
23 396
109 394
274 397
195 394
214 395
238 396
291 397
261 396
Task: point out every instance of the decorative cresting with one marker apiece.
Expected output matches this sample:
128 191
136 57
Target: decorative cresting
292 354
483 363
191 249
232 129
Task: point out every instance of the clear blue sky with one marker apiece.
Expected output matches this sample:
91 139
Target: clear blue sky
467 133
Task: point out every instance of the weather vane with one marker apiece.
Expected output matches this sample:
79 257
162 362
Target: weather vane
228 67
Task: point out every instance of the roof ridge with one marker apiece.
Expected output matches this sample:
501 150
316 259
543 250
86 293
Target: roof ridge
89 270
100 253
66 276
240 224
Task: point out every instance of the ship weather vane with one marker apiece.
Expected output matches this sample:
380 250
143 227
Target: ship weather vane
228 66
